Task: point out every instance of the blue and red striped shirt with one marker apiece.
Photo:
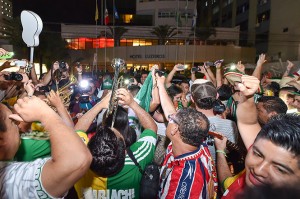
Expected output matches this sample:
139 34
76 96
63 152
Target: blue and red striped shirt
191 175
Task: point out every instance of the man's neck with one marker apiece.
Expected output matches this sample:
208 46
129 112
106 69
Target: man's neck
181 148
207 113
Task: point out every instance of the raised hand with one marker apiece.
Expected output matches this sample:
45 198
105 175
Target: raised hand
32 109
290 65
125 98
54 99
249 85
261 59
178 67
220 144
29 87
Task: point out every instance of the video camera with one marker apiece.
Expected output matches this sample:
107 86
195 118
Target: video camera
159 72
14 76
83 89
62 66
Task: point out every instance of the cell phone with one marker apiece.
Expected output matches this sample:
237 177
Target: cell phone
159 72
195 69
84 99
180 66
20 63
219 61
209 63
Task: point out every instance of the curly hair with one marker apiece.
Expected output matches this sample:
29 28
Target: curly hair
193 126
108 152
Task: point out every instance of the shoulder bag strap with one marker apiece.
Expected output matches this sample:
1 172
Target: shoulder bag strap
131 156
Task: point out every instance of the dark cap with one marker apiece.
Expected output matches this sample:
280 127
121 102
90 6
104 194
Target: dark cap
202 88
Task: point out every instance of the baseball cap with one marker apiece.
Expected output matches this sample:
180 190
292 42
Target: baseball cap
233 75
203 88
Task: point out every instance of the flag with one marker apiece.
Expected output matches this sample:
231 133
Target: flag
96 12
145 93
116 13
106 17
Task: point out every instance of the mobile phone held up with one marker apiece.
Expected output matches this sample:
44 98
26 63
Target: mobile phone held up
180 66
219 61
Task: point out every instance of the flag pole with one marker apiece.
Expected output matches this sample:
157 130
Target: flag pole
194 26
105 35
96 21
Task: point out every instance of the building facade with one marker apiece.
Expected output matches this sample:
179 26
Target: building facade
5 14
141 48
271 26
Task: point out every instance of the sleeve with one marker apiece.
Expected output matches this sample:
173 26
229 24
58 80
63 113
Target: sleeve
228 181
83 136
31 149
143 150
23 180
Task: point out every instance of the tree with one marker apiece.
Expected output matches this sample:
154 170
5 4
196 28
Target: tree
115 32
164 32
203 33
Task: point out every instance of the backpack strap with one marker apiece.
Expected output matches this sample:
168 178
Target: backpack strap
131 156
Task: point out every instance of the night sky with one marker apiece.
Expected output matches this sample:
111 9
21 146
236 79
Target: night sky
70 11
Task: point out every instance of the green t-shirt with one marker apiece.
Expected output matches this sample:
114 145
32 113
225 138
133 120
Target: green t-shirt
33 145
125 184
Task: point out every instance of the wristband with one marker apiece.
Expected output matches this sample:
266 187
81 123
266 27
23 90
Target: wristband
221 151
79 73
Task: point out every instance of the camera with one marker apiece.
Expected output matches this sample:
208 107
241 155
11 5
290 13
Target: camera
62 66
159 72
209 63
195 69
14 76
84 86
44 89
218 107
84 99
180 66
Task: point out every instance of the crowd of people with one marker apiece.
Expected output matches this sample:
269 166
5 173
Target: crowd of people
225 135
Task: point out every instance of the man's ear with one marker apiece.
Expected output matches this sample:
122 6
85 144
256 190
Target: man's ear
271 114
16 117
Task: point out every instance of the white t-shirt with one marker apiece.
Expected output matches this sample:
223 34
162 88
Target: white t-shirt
22 180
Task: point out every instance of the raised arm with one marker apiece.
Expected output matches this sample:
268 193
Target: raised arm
246 110
61 172
165 100
47 77
86 120
210 74
125 98
257 71
288 68
155 101
222 165
171 74
219 76
55 101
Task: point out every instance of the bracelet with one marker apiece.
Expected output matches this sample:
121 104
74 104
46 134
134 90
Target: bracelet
79 73
221 151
